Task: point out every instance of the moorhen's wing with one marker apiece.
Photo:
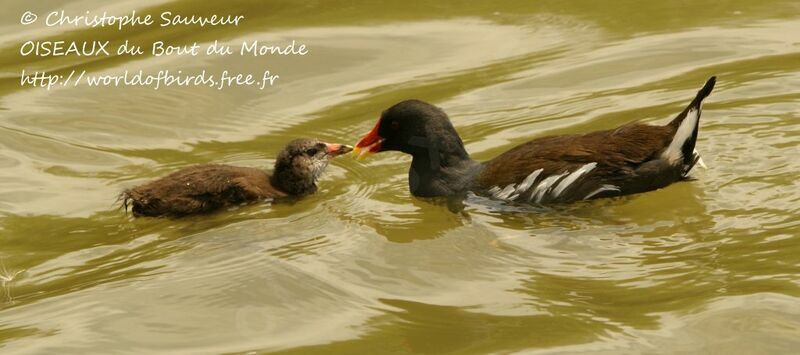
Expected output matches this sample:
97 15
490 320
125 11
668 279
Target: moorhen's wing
576 167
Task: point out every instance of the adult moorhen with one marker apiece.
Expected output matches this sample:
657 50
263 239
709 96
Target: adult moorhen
208 187
629 159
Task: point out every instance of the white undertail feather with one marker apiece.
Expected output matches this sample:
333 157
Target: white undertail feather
673 154
700 159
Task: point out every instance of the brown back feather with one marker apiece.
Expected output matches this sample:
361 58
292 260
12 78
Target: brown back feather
617 152
200 189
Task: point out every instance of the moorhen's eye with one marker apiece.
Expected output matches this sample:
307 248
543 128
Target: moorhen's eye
395 125
311 152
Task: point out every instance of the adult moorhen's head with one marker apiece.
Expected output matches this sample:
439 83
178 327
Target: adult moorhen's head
301 162
414 127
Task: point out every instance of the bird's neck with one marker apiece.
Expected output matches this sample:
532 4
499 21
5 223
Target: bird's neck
439 168
291 182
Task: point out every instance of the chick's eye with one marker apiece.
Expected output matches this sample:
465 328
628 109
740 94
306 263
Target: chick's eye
311 152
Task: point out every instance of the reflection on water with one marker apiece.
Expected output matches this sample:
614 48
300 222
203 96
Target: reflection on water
6 279
707 265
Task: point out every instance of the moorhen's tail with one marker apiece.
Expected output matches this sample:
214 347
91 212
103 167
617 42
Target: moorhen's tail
681 149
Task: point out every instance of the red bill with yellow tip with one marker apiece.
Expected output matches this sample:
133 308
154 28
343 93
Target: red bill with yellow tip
369 144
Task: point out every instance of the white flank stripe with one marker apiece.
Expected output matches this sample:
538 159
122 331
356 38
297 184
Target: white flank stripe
702 163
507 191
528 182
673 152
603 188
544 186
571 178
